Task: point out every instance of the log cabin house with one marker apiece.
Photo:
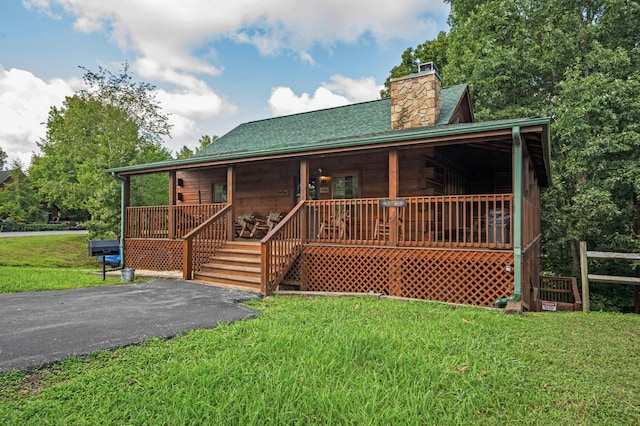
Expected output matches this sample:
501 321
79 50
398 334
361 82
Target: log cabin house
407 196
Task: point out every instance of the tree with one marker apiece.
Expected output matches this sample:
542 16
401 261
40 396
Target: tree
204 142
18 200
185 152
114 123
577 63
430 51
3 158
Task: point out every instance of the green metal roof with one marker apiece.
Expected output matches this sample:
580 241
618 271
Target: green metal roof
311 129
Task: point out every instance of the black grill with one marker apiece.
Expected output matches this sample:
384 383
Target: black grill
103 247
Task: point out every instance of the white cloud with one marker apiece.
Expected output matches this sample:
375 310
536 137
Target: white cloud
362 90
188 112
284 102
341 91
25 101
167 38
165 33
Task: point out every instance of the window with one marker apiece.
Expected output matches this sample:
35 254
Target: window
220 193
345 186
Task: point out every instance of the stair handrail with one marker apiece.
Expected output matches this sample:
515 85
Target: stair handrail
191 263
279 249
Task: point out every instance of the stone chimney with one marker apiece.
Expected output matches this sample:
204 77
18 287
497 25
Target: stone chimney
415 98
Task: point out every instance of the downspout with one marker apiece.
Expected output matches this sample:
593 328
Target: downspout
517 220
123 212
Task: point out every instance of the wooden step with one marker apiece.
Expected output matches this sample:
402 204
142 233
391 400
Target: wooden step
243 245
237 264
244 281
235 260
237 253
235 270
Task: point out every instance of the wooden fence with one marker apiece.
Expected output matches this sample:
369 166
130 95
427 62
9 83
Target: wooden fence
611 279
155 222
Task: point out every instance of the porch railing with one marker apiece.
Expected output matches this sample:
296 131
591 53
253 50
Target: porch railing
153 222
203 241
441 221
280 248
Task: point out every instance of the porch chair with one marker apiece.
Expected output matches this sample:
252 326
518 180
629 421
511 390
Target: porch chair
382 228
244 224
335 226
265 226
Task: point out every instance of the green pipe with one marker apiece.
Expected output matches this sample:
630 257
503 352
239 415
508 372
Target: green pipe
123 212
517 220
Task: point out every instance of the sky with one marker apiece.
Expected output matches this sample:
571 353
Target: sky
215 64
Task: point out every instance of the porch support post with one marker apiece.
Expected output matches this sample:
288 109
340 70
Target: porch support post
394 189
231 182
517 219
304 190
125 199
124 203
517 212
172 202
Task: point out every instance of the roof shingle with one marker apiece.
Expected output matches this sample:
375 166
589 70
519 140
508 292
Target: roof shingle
315 128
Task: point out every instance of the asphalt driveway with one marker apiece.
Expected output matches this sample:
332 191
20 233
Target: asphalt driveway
40 328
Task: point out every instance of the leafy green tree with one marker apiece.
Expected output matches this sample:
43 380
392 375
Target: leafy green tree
205 141
18 201
114 123
185 152
576 62
3 158
430 51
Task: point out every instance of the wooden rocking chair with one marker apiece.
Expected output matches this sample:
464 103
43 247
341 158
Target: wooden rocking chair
265 226
244 224
335 227
382 228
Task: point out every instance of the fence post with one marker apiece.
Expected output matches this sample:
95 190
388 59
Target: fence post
187 253
265 267
584 272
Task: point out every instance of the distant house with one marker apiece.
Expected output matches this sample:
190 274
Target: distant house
5 178
407 196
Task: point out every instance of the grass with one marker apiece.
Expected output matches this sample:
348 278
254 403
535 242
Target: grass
15 279
330 361
50 262
49 251
352 361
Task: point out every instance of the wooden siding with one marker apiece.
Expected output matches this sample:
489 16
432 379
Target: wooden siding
195 186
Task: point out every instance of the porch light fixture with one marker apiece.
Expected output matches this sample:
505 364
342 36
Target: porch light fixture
323 177
180 182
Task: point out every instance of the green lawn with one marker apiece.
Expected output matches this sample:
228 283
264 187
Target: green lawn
352 361
50 262
331 361
49 251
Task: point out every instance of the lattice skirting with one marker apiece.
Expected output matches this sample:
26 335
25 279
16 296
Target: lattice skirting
153 255
454 276
293 274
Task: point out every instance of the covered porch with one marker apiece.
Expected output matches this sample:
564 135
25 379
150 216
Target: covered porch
455 221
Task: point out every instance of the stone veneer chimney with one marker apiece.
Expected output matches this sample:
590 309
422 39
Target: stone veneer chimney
415 98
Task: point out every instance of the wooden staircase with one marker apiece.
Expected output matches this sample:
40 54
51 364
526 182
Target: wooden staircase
237 264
